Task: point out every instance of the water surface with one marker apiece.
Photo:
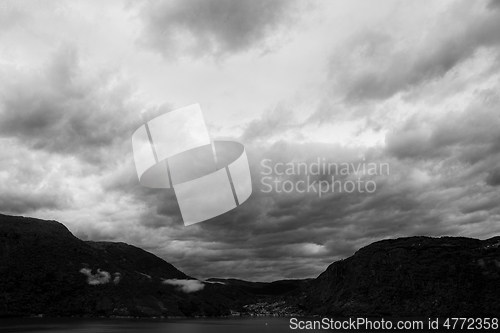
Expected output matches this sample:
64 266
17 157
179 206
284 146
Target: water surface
107 325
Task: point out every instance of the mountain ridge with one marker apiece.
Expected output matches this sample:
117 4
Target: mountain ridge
46 270
412 276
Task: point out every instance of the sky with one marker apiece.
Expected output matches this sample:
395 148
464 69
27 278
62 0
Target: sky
403 97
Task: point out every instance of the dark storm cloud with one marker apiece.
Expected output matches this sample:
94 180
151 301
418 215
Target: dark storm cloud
470 135
376 65
443 176
163 203
493 178
62 109
213 27
480 204
271 235
493 4
275 121
19 202
30 181
275 235
442 181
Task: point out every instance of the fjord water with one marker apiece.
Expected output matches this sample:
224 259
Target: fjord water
122 325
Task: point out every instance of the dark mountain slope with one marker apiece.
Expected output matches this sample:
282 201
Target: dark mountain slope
415 276
44 269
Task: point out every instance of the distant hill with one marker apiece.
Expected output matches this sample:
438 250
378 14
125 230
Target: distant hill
274 288
415 276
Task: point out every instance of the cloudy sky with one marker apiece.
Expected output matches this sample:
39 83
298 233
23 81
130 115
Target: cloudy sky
412 85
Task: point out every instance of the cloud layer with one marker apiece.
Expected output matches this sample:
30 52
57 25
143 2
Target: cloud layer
101 277
413 86
379 64
214 27
187 286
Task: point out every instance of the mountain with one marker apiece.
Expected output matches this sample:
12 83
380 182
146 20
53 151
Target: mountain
46 270
415 276
274 288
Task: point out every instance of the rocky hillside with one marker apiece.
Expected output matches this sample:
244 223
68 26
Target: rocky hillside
416 276
46 270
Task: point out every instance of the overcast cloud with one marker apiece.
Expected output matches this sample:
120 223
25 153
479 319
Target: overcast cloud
214 27
413 86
